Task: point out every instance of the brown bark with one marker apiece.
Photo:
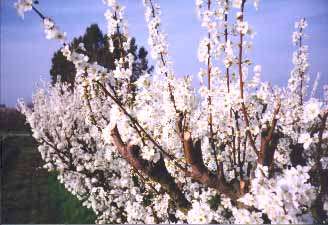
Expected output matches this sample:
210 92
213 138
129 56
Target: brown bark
155 171
269 142
193 156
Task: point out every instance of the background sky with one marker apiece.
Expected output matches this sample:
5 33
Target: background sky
26 54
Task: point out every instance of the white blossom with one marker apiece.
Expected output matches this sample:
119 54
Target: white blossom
311 110
23 6
306 140
237 3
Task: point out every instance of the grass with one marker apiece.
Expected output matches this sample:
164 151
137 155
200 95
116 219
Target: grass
68 208
25 195
33 195
30 194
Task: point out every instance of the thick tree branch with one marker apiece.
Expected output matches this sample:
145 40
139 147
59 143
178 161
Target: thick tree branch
155 171
193 156
269 141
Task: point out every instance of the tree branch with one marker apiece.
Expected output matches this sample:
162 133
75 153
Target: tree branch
200 172
155 171
269 141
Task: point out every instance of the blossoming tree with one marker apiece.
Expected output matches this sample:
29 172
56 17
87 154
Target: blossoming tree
234 150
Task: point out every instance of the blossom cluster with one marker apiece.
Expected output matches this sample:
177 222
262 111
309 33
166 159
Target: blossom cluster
284 199
23 6
51 31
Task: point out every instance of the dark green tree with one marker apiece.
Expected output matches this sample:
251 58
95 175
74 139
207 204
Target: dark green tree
96 47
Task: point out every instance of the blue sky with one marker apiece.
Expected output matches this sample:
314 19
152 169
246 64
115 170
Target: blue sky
26 54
